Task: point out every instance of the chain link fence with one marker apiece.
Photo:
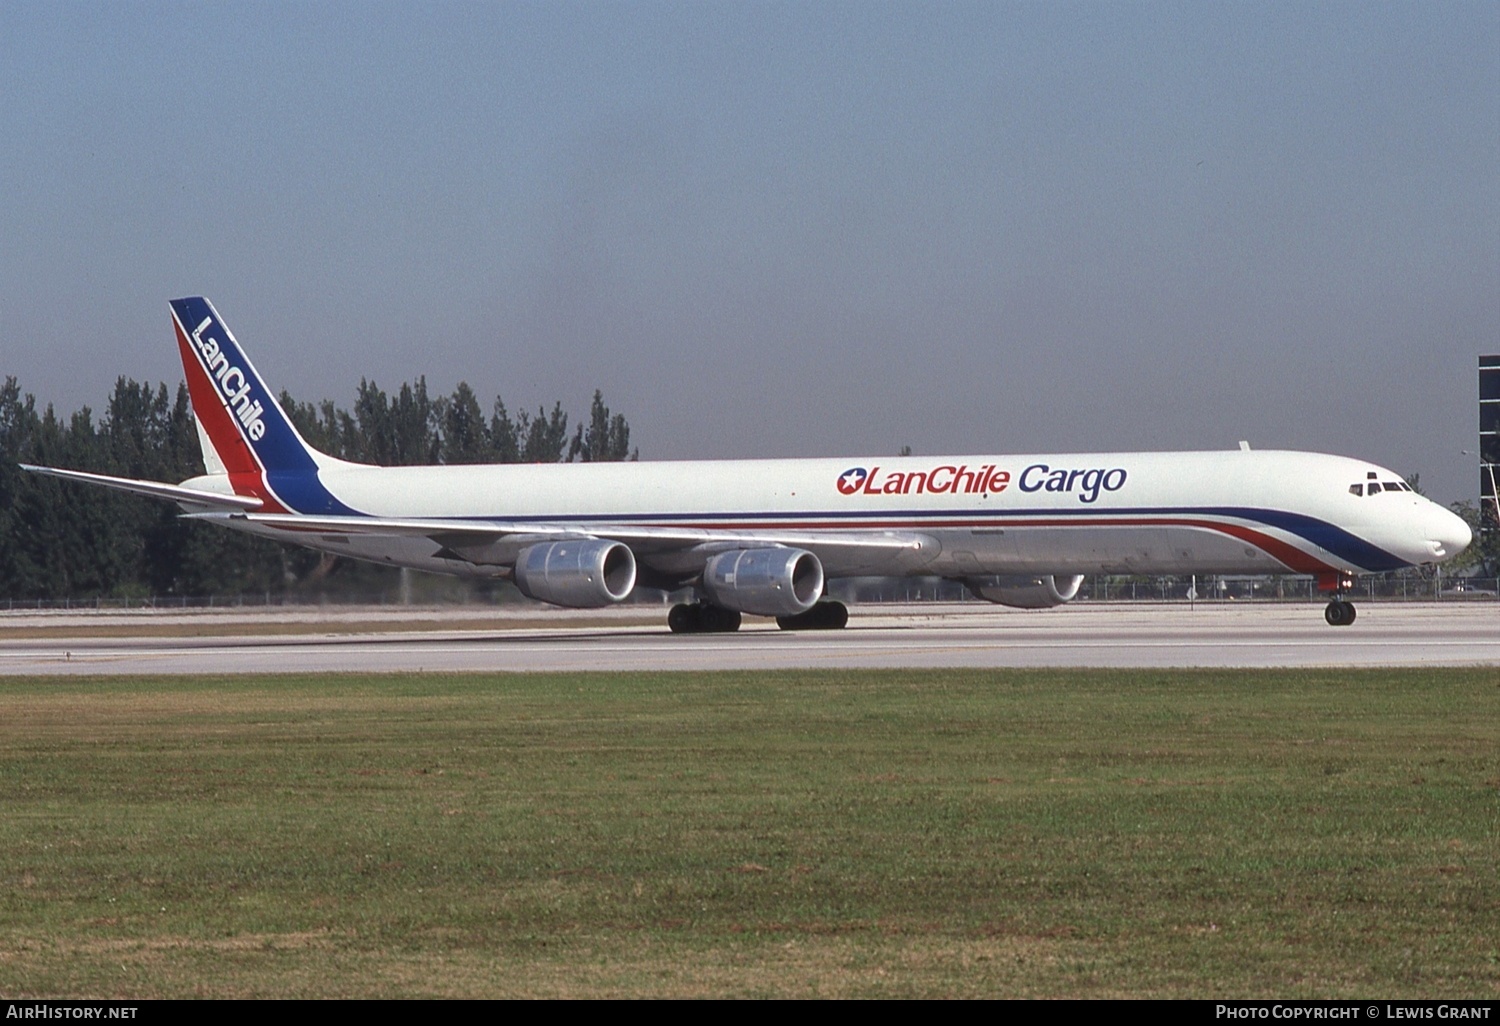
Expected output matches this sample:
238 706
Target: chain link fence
869 590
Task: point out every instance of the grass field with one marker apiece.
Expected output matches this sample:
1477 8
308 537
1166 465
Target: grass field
935 833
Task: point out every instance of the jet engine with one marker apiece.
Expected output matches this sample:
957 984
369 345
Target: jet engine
767 582
583 574
1024 591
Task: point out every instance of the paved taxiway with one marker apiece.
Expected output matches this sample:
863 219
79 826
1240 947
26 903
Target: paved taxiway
1227 635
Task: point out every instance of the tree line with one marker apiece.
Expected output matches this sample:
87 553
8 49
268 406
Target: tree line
61 539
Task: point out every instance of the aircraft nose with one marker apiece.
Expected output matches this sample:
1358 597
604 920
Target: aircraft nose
1447 534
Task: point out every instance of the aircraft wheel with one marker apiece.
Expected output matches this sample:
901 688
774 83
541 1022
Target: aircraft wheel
1339 613
720 620
702 618
683 619
825 616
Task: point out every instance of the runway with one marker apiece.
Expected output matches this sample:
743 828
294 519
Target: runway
966 635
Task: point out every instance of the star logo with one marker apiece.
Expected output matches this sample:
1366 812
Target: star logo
852 479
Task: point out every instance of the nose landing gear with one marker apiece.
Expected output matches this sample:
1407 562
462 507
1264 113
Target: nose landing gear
1340 611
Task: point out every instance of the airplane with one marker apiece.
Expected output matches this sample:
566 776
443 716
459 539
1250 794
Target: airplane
763 537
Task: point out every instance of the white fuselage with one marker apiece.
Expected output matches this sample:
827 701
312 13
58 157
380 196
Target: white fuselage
1236 511
764 536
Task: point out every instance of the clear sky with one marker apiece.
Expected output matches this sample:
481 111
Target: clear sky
772 229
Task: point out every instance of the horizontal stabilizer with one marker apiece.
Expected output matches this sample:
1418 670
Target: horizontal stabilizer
154 489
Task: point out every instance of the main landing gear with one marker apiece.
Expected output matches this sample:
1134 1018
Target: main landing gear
825 616
1340 611
703 618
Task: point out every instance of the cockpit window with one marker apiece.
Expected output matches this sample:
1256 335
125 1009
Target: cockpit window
1376 487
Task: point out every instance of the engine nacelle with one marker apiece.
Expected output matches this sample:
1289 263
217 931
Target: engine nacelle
1023 591
584 574
767 582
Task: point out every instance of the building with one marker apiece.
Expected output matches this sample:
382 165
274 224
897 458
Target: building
1489 441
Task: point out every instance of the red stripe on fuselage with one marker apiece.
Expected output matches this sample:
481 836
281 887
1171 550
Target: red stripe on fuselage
1290 556
1293 558
246 476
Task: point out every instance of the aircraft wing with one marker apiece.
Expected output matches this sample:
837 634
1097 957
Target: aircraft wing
154 489
497 541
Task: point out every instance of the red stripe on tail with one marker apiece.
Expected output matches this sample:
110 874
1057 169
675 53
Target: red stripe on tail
246 476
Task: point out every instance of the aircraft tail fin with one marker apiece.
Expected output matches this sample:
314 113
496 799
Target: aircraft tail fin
246 435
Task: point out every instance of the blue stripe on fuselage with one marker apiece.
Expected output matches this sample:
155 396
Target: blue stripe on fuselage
1349 547
1346 546
304 492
